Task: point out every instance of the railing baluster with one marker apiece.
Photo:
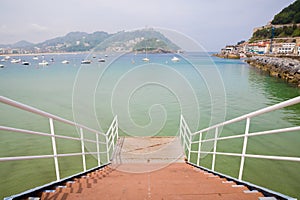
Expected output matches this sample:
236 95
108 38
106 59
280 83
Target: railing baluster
82 150
180 132
54 149
113 137
117 125
107 150
190 147
215 149
244 148
98 150
199 148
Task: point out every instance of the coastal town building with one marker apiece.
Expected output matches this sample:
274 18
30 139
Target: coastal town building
258 48
287 48
264 47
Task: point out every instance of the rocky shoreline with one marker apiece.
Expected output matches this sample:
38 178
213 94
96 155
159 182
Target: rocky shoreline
285 68
227 55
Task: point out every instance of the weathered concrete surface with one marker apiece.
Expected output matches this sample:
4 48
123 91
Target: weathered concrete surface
177 181
147 153
284 68
157 171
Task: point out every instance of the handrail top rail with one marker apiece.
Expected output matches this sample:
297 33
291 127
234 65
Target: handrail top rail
31 109
287 103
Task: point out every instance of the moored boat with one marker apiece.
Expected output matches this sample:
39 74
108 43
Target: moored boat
15 60
146 59
65 62
44 63
25 63
86 62
175 59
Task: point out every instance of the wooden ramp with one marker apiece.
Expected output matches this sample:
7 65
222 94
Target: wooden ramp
150 168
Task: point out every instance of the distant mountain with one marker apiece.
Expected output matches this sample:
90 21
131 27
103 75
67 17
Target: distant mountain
289 15
134 40
122 41
75 41
20 44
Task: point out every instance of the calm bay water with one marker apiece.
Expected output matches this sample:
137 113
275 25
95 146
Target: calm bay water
148 99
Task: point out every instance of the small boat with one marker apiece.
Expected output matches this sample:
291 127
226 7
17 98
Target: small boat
25 63
65 62
106 55
101 60
175 59
15 60
86 62
146 59
35 58
1 66
44 63
3 60
7 57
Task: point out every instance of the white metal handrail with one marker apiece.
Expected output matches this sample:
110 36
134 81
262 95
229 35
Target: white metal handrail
21 106
112 135
290 102
185 136
245 136
109 140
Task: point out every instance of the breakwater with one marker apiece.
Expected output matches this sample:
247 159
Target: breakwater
284 68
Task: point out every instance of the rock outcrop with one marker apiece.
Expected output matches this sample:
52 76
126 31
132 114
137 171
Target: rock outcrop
285 68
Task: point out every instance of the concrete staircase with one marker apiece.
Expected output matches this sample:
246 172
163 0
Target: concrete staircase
150 168
176 181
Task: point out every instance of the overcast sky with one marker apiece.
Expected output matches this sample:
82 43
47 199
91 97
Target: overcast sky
212 23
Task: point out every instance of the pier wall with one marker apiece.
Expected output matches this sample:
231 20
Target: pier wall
284 68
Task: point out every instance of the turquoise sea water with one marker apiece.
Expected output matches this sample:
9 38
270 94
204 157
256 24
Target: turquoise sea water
148 99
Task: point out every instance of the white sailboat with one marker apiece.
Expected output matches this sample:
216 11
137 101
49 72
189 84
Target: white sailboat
175 59
146 59
44 63
65 62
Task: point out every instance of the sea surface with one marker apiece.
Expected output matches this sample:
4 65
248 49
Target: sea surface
148 98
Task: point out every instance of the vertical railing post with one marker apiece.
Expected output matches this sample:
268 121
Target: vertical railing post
199 148
82 150
98 150
180 128
181 133
117 126
107 150
113 136
215 149
54 149
184 138
190 146
244 149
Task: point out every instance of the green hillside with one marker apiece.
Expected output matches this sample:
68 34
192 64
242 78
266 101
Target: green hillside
284 24
285 31
289 15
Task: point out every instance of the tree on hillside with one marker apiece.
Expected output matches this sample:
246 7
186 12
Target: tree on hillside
288 15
